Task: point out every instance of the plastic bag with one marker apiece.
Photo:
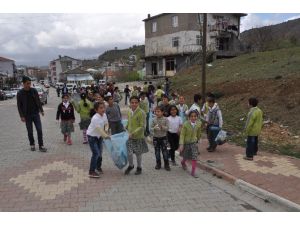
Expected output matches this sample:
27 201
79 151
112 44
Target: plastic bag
182 116
116 147
151 115
221 137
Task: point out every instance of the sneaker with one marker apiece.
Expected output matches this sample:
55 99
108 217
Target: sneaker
158 166
248 158
94 174
32 148
69 141
138 171
129 168
42 149
100 171
208 148
85 142
184 167
174 163
167 168
194 175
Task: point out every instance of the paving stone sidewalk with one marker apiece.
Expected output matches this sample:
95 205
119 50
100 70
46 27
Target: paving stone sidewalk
277 174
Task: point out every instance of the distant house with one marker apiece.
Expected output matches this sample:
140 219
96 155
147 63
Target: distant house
77 76
60 65
174 39
7 67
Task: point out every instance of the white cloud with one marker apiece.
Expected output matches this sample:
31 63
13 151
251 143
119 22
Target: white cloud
293 18
73 31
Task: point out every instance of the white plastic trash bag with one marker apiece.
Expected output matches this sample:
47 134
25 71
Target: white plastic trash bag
221 137
116 147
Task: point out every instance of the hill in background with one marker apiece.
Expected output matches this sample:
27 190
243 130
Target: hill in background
117 54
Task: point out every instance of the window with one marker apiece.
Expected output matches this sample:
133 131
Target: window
154 27
198 40
170 64
175 41
174 21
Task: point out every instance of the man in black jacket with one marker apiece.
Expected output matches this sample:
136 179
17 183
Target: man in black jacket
29 107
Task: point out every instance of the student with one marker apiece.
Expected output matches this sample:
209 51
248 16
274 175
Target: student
114 116
253 128
83 108
205 107
159 128
65 112
145 88
196 105
182 108
158 94
167 86
165 105
189 141
127 93
135 91
214 123
117 95
144 105
175 125
98 98
174 99
136 143
96 133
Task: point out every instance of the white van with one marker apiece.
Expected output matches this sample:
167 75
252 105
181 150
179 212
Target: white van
102 82
71 86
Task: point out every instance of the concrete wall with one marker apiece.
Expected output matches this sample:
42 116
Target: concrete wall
7 68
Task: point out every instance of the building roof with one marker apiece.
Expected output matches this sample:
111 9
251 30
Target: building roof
163 14
65 57
2 59
76 71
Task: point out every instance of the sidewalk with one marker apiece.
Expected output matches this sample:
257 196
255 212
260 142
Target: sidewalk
277 174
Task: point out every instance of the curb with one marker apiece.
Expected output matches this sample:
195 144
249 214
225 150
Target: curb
250 188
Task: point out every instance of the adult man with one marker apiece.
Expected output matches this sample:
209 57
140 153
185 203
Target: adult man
29 107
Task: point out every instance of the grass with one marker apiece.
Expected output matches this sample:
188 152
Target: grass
258 67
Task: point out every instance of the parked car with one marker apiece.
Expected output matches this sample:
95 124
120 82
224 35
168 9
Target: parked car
42 95
102 82
46 85
42 82
15 91
2 95
9 94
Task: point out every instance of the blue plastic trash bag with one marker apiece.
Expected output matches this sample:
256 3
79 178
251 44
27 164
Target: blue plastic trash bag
182 116
116 147
124 122
221 137
151 115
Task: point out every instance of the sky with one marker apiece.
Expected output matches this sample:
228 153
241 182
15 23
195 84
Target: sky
36 39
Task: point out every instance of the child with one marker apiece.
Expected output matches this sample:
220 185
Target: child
189 138
114 116
165 105
182 108
135 91
117 95
158 94
175 125
83 108
196 105
205 107
174 99
127 93
214 123
98 98
159 128
65 111
253 128
95 135
144 105
136 143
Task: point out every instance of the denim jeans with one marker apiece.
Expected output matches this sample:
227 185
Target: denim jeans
96 145
212 133
36 119
160 145
252 146
173 139
127 96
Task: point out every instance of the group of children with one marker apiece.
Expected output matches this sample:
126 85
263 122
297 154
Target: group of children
174 125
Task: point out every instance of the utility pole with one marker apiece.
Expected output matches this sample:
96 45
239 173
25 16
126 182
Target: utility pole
204 29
